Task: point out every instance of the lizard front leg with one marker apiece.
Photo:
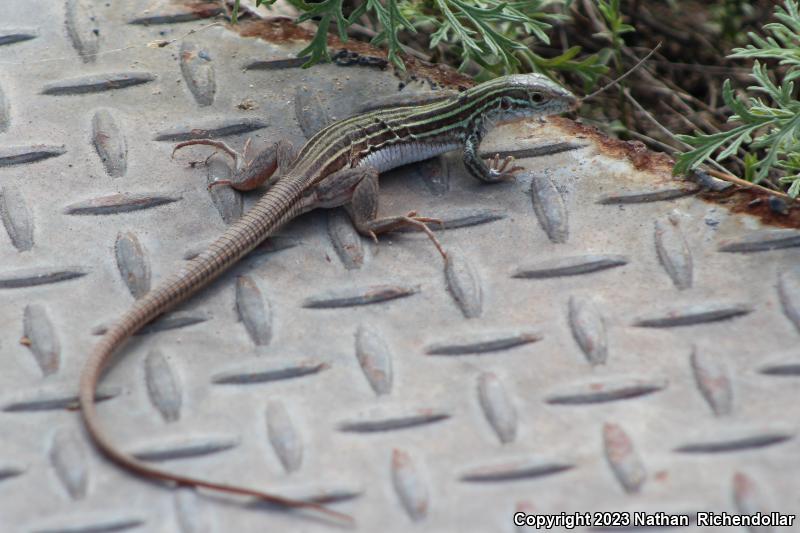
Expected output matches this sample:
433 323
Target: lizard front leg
357 190
267 166
498 171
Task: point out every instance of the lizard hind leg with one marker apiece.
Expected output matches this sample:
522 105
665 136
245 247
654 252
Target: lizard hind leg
357 190
266 167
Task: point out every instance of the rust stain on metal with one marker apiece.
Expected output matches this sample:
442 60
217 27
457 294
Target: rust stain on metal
276 30
635 151
202 9
768 209
757 204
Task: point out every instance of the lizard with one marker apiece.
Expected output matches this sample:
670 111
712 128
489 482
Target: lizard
338 166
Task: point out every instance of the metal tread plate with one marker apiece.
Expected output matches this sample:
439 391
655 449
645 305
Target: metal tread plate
601 339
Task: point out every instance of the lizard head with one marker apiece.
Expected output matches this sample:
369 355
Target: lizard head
523 96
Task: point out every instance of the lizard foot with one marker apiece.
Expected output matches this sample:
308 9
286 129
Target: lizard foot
500 170
208 142
421 223
218 183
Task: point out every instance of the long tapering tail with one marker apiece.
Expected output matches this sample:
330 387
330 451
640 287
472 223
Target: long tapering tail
280 204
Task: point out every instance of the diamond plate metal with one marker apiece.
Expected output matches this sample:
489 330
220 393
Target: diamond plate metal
601 339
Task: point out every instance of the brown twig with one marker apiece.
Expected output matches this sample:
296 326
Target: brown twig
625 75
725 176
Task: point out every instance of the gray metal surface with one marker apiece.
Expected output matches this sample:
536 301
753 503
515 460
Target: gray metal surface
601 339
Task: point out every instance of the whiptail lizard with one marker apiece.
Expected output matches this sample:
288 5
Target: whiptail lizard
338 166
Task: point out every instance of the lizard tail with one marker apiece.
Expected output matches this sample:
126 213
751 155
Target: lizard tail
278 205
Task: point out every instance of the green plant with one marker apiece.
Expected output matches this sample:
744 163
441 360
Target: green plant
727 17
768 122
479 30
494 34
388 14
610 9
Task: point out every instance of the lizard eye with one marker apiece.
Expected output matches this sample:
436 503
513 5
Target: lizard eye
505 103
537 98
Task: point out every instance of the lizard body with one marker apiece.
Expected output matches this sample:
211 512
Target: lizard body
337 166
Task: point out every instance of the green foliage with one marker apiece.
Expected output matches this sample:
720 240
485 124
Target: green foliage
391 19
728 16
768 121
488 32
783 42
589 68
610 9
494 34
